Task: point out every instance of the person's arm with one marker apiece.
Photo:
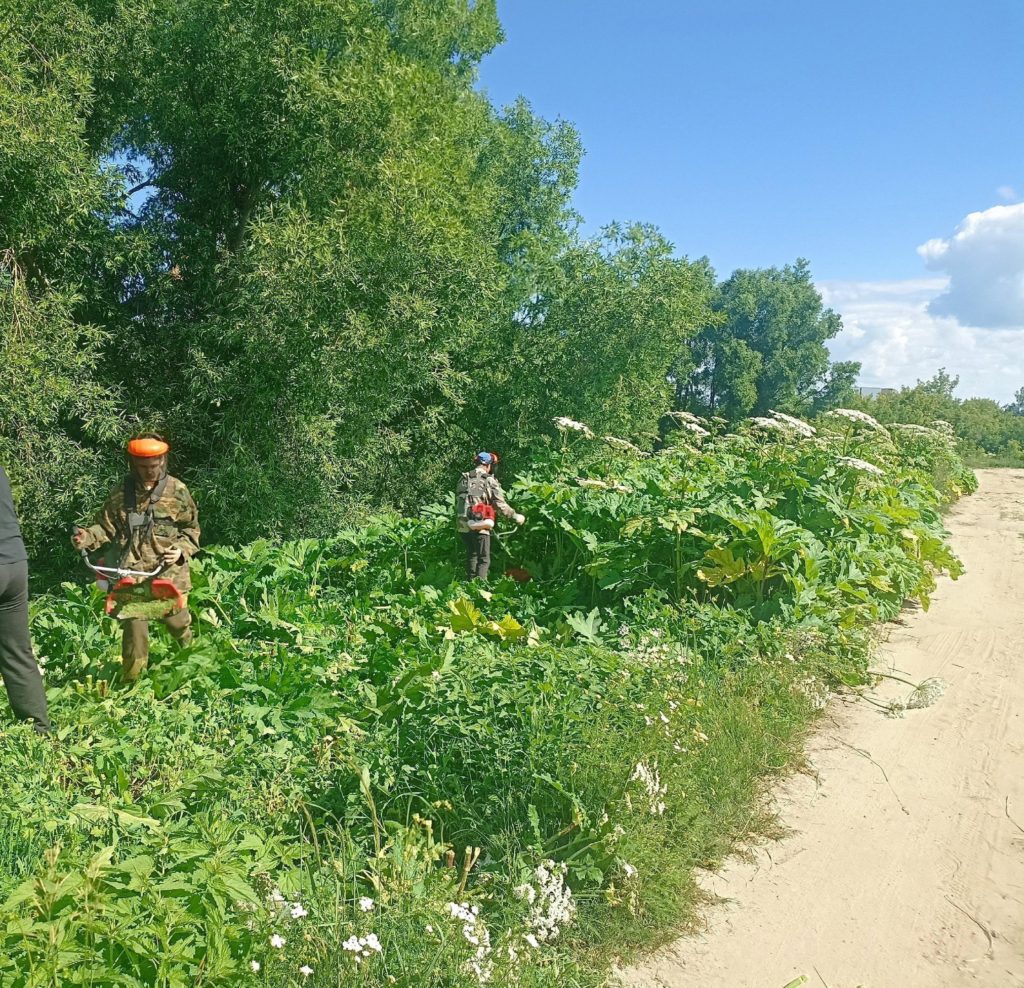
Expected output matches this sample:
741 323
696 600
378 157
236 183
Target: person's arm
498 499
104 530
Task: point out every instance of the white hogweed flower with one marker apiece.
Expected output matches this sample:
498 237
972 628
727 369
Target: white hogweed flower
571 425
277 941
625 446
797 425
926 693
853 415
862 465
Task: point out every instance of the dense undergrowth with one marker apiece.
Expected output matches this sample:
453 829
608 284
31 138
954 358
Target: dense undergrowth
367 772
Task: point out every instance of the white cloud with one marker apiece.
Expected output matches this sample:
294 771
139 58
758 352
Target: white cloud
1007 193
889 328
984 260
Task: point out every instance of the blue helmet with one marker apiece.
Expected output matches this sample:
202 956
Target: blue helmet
485 458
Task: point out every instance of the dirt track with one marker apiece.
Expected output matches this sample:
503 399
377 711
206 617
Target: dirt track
917 882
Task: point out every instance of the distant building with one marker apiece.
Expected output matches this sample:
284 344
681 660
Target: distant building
875 392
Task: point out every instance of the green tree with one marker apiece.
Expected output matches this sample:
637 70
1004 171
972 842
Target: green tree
57 419
596 341
766 347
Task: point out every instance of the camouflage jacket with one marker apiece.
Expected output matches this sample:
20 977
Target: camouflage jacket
492 494
175 526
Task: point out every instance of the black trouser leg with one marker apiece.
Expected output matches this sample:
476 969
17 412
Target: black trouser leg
17 664
483 562
472 546
478 554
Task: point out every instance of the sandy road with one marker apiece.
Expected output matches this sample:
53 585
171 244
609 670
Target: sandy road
918 882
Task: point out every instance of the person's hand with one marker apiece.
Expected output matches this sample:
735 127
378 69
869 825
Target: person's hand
170 557
518 518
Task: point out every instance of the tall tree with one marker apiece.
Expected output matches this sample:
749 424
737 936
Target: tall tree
765 347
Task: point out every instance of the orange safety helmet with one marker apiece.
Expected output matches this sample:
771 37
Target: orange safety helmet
147 447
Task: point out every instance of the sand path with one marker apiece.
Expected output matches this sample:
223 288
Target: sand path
917 882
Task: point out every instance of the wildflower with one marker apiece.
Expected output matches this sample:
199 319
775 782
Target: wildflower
552 905
862 465
277 941
275 898
429 928
853 415
697 430
625 446
366 904
797 425
254 966
663 718
373 943
305 970
630 871
687 417
298 911
592 484
532 941
352 945
571 425
650 779
926 693
767 424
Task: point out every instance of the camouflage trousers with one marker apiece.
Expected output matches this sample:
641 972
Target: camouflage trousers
135 639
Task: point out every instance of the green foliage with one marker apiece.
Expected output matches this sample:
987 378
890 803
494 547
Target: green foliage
357 733
989 435
764 349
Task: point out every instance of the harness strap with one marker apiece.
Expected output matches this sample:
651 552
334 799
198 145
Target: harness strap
139 522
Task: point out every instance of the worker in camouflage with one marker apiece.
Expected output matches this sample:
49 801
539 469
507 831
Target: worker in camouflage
477 498
153 521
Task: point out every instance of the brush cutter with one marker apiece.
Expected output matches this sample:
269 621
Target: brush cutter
135 593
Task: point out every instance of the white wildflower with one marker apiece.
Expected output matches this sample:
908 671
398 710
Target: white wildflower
797 425
625 446
372 942
769 425
305 970
862 465
352 945
277 941
629 870
853 415
649 778
532 941
571 425
366 904
298 912
275 898
525 891
593 484
687 417
926 693
254 966
552 904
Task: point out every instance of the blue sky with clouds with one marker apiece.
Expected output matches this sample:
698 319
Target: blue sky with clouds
850 134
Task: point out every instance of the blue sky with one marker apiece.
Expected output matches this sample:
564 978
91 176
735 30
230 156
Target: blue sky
755 133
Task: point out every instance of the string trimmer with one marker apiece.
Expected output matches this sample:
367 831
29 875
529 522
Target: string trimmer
135 593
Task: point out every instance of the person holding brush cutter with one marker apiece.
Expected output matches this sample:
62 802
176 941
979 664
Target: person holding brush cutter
17 664
478 498
153 522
